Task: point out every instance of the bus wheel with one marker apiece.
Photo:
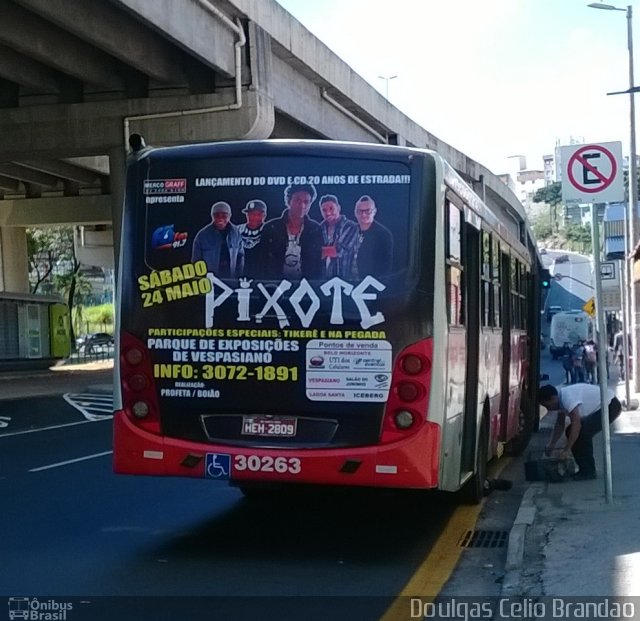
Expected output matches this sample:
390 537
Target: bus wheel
475 490
526 425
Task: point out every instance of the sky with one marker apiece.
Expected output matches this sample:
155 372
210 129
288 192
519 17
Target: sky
492 78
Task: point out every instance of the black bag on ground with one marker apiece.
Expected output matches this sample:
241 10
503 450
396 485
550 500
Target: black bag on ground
539 467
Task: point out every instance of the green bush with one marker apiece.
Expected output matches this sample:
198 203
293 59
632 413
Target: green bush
89 319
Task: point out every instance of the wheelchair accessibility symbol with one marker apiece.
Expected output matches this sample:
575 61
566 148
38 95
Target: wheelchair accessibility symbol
218 466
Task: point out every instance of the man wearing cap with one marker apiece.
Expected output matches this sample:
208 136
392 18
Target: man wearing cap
294 240
251 232
219 244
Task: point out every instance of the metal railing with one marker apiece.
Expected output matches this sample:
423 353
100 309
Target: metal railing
91 353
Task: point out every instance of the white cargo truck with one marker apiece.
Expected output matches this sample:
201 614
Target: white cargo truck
569 327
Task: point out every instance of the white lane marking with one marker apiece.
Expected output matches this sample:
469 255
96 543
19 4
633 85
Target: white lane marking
95 408
70 461
93 398
20 433
90 404
97 395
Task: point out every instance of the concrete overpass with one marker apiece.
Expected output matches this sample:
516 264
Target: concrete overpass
77 77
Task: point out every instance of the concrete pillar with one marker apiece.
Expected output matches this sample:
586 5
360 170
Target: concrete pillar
117 172
14 261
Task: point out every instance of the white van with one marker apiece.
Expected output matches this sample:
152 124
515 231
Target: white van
569 327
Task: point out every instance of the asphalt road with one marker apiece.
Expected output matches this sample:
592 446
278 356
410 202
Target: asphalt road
196 549
70 527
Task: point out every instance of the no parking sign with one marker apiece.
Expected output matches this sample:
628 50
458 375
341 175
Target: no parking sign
592 173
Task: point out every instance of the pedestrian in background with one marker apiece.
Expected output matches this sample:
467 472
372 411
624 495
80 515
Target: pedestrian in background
567 363
618 346
590 362
577 354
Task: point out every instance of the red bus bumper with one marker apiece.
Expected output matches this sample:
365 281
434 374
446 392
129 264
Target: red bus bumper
409 463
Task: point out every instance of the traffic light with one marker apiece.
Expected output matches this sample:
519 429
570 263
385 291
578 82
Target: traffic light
545 279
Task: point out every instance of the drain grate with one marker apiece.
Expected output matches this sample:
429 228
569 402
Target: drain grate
484 539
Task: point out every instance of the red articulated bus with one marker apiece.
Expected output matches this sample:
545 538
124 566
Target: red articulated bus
324 313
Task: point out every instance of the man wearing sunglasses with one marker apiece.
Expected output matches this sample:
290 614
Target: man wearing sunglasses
374 247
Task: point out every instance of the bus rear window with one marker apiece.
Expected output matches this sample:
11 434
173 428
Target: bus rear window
275 218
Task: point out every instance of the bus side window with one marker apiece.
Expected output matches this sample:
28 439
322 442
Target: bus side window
497 309
454 293
524 288
487 285
453 226
454 239
515 295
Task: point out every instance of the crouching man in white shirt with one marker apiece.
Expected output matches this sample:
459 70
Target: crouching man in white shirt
581 403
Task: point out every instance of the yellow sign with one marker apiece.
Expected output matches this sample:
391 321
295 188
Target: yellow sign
590 307
59 329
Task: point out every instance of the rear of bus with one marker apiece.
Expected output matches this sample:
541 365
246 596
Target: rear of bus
317 377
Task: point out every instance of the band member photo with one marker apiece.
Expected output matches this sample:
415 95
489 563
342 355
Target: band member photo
251 232
374 248
339 236
294 241
219 244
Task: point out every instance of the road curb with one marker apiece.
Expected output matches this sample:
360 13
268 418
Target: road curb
516 545
106 388
60 371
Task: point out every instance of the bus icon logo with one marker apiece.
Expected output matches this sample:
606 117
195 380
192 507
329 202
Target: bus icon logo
18 608
218 466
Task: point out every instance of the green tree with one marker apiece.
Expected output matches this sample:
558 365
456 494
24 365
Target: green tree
541 226
551 195
43 252
54 267
579 237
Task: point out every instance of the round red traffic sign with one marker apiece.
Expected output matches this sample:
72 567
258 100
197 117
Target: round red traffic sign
599 180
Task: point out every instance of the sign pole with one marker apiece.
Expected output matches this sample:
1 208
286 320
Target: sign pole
594 175
602 349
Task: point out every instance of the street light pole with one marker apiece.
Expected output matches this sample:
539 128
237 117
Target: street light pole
631 219
559 277
633 215
386 83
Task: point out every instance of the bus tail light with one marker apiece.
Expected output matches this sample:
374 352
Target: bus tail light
134 356
404 419
137 381
140 409
408 391
139 398
412 364
408 401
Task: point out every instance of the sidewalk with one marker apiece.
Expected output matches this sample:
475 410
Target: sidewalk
566 540
92 376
